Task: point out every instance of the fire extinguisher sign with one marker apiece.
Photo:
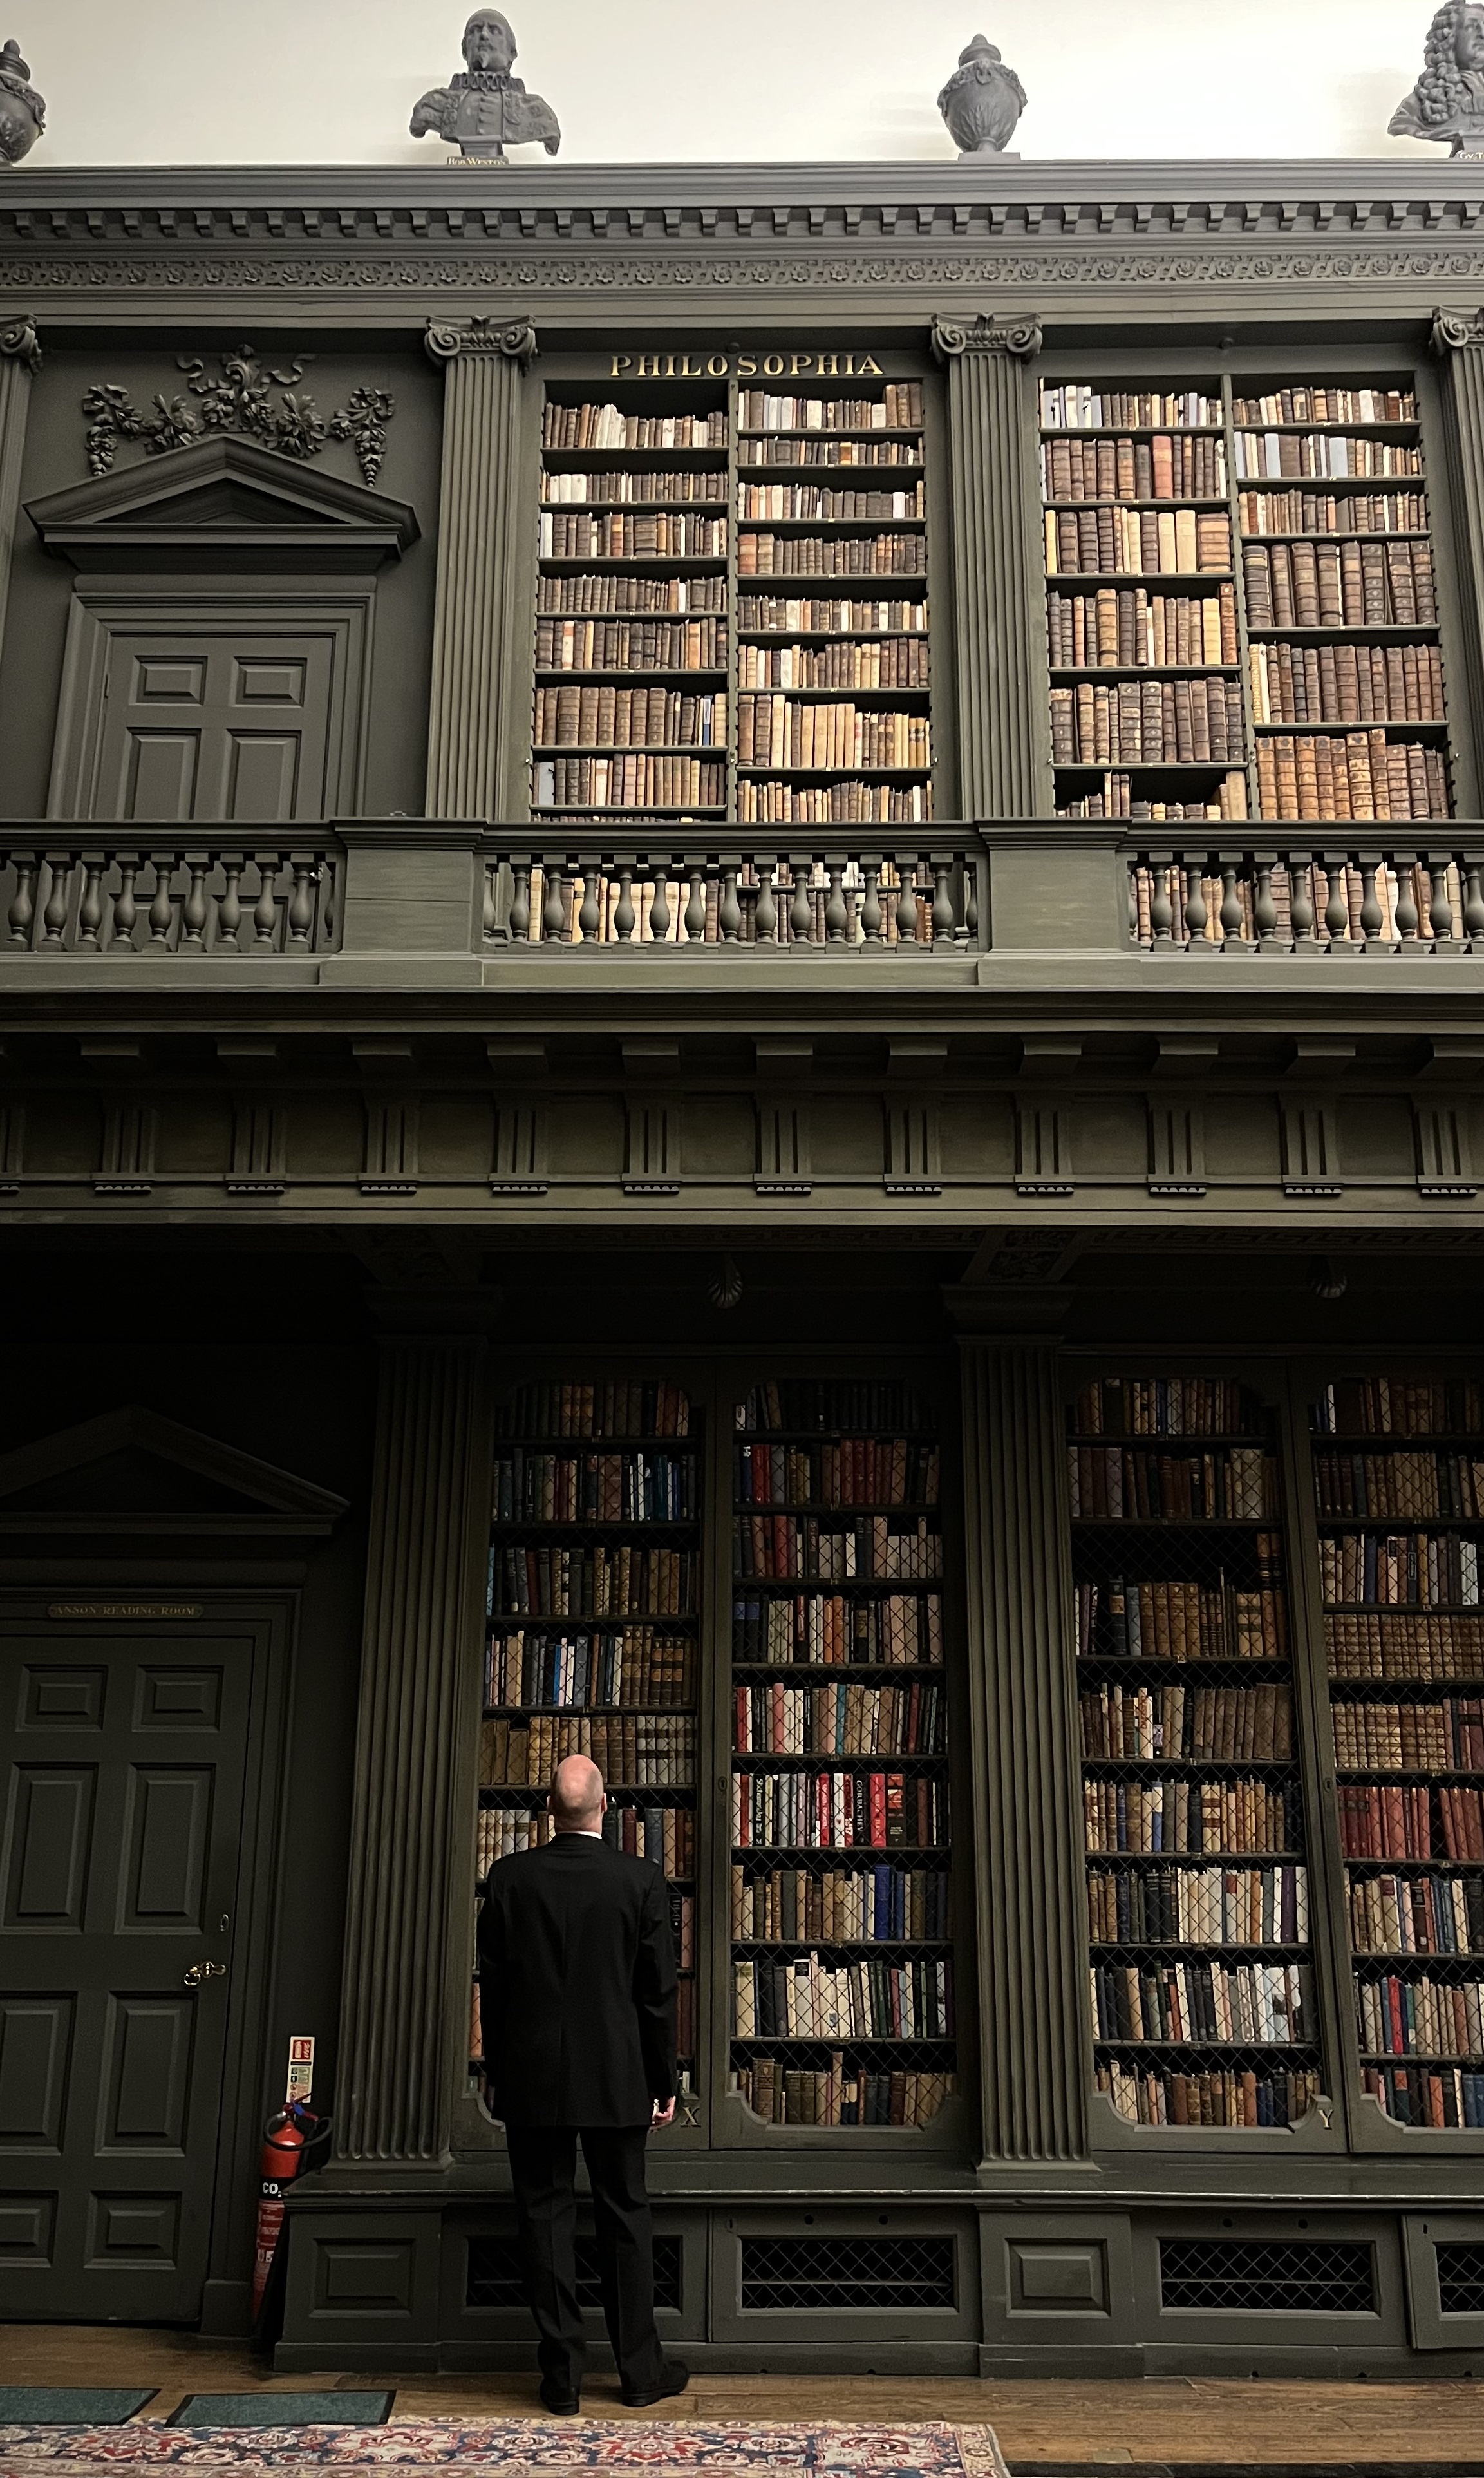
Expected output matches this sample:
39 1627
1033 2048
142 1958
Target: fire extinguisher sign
301 2072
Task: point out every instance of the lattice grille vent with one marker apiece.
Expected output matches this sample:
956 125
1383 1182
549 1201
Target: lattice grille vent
864 2274
1267 2276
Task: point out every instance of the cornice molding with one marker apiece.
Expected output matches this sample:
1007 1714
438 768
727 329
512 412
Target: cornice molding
482 339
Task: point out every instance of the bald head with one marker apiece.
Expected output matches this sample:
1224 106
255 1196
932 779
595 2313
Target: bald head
576 1802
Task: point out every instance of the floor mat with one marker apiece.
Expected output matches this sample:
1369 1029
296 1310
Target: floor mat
217 2410
751 2448
70 2404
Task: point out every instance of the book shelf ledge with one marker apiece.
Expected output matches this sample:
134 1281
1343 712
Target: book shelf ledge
1147 672
1156 765
647 459
1095 576
1154 1949
863 1850
917 1508
1399 536
1407 432
505 1620
1168 507
719 508
1176 1521
848 2041
1160 1441
1404 1608
837 1759
1181 1664
716 749
1191 1764
809 1671
1203 1858
635 672
1134 430
1216 2046
1391 631
1418 1775
1402 723
877 433
833 635
694 812
672 563
607 1711
801 1583
862 1945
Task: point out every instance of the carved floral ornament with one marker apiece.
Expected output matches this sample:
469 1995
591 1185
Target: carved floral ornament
240 400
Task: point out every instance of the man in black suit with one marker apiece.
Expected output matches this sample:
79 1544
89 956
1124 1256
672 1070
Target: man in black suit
577 2001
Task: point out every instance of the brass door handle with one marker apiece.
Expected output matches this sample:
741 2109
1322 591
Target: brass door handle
204 1970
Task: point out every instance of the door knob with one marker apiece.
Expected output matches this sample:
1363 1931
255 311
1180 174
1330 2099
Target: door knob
202 1970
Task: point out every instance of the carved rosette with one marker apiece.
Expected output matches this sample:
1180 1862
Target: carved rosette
1021 338
510 339
20 343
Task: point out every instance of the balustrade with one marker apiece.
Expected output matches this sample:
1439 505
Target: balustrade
145 899
1307 899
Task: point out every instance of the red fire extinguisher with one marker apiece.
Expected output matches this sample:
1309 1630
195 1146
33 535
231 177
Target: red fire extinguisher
278 2166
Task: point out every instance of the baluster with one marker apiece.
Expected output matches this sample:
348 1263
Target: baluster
1441 907
553 905
90 911
125 910
1405 910
1300 900
1473 901
23 910
488 920
659 907
837 911
193 909
1372 916
694 923
590 911
1265 909
1195 915
265 909
870 907
801 910
161 907
907 904
943 904
764 919
1231 905
520 900
301 902
729 910
229 911
1162 911
327 902
624 912
54 918
972 902
1337 909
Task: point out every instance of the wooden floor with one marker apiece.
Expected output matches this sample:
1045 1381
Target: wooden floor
1175 2418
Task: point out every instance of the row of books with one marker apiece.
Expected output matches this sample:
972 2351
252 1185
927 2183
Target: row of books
898 555
1362 775
534 1486
1420 2017
632 594
834 804
643 488
896 663
1427 1569
614 718
1106 541
791 2095
1123 628
1180 1621
840 452
1332 512
628 783
872 1905
1115 800
1423 2096
900 407
1197 1724
1245 1818
635 1751
827 1629
854 1471
1140 1905
603 425
1346 683
1150 722
664 1836
828 1406
1340 585
838 1810
1327 404
1164 467
1277 456
1445 1738
644 1408
785 731
880 1548
1148 2096
810 503
1399 1407
630 646
1073 407
623 1665
857 2000
592 1582
1417 1913
1442 1481
1398 1645
839 1720
664 535
1165 1406
1204 2004
1219 1484
1389 1821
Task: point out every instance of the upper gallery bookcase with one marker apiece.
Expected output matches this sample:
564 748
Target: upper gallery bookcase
1242 607
732 599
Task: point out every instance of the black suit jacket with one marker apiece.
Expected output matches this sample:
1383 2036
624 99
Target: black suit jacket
577 1986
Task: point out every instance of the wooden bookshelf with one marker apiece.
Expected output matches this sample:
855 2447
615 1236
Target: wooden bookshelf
592 1633
1200 1968
841 1979
1398 1476
1329 700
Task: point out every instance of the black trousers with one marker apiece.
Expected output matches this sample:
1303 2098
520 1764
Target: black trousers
543 2171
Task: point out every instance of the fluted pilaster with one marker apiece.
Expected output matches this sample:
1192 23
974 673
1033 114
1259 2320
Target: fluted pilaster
1459 343
479 734
1028 1837
405 2012
20 358
998 568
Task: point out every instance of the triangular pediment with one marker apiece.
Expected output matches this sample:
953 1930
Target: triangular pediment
219 495
136 1472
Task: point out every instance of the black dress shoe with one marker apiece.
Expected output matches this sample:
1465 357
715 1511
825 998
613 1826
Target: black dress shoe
674 2379
561 2404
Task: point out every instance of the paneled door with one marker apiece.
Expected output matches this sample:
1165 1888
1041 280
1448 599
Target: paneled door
231 727
124 1753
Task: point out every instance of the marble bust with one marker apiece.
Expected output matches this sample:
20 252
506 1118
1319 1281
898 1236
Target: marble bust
1448 101
22 112
485 110
982 101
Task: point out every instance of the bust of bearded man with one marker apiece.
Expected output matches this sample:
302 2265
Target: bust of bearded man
485 110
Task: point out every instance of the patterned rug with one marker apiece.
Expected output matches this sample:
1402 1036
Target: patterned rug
509 2445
